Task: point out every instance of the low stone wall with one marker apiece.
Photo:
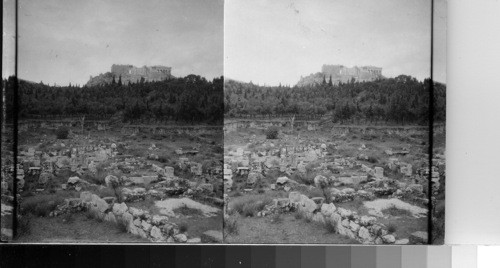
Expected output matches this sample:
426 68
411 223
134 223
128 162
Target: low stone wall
314 125
156 228
234 125
364 229
103 125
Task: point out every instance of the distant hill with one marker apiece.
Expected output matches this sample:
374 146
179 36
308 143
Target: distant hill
130 74
340 73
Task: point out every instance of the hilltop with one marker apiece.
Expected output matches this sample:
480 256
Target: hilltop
131 74
340 73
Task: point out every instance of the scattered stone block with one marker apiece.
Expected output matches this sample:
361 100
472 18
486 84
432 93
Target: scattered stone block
119 208
156 234
388 239
111 180
281 180
328 209
404 241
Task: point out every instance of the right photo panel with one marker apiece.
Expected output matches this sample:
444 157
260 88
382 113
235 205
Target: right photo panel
334 115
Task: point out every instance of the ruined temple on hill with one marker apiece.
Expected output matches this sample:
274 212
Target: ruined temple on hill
341 73
132 74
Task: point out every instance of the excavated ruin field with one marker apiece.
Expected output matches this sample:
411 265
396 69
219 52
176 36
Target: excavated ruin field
113 186
341 185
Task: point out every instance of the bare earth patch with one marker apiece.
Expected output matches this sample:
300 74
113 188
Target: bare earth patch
168 206
377 206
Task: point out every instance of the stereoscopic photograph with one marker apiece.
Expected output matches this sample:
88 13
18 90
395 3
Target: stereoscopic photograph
119 122
236 122
334 122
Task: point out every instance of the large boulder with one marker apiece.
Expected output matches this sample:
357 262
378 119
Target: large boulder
73 180
294 197
110 217
319 218
137 213
321 181
180 238
365 235
111 180
367 220
307 205
328 209
156 234
281 180
159 220
127 219
379 172
101 205
388 239
169 172
345 213
119 209
86 196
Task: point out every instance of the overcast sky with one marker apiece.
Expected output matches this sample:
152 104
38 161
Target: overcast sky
277 41
63 41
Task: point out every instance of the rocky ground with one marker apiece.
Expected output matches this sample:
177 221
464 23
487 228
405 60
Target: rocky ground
370 186
151 186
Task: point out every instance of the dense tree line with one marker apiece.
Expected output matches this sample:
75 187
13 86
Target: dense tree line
191 99
400 100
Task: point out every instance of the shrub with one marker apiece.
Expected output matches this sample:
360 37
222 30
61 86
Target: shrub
218 149
185 210
272 133
249 207
183 227
391 228
249 210
231 225
24 225
394 211
298 215
122 225
62 133
330 227
277 218
238 207
372 160
163 159
42 205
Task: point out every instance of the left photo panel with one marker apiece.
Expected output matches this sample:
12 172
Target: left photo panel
119 109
